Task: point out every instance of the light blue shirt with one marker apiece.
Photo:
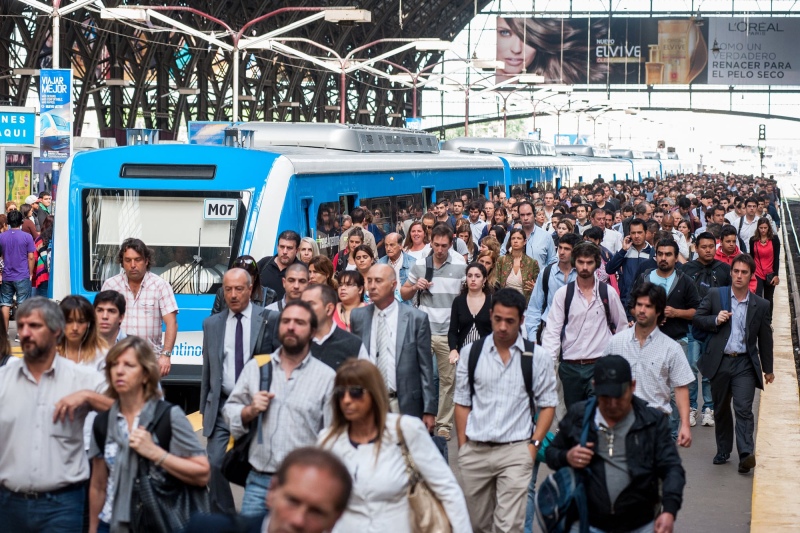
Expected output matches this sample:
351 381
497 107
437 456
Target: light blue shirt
736 342
540 246
665 283
533 314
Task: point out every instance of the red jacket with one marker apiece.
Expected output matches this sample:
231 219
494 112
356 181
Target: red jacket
728 259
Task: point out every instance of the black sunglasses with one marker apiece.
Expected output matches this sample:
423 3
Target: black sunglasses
355 392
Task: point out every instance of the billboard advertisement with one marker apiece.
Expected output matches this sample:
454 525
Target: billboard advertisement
55 119
652 51
17 127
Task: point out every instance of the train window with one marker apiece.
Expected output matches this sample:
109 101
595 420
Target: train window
328 228
192 249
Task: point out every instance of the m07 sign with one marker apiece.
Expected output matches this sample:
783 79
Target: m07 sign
220 209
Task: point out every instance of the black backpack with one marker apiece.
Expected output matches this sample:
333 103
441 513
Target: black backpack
603 289
526 362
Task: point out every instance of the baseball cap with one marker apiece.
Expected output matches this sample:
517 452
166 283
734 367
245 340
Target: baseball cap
32 199
611 375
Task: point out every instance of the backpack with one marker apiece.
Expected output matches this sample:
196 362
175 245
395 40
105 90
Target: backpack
428 275
526 362
700 335
546 288
236 462
603 290
563 489
162 426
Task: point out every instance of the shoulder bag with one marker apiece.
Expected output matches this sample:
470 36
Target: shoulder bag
427 512
160 502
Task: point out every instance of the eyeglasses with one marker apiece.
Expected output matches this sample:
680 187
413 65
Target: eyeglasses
427 227
355 392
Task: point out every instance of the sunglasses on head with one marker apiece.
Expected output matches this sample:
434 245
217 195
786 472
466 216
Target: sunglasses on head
355 392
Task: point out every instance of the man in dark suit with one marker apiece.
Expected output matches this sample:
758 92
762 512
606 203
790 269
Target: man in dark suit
738 351
398 338
229 340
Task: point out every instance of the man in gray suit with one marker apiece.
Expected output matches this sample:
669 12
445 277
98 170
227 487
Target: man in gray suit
398 338
229 340
738 352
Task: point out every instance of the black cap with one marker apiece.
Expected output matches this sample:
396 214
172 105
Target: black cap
612 376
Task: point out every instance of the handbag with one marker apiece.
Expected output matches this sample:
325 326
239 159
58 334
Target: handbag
161 503
427 512
236 461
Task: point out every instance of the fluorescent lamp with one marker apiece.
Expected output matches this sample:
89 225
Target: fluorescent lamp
188 91
530 78
25 71
488 64
432 45
124 13
348 16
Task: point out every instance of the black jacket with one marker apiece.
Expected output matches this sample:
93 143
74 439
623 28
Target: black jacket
714 274
682 295
652 456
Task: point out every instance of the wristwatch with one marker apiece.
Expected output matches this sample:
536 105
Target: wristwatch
535 442
165 354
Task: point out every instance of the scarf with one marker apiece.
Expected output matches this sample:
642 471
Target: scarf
127 465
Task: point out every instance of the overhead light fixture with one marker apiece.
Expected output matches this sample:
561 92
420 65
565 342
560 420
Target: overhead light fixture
348 16
125 13
118 83
364 112
332 108
394 115
432 45
25 71
246 98
188 91
488 64
530 78
289 104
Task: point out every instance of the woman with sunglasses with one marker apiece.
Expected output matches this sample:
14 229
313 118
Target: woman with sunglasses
416 243
351 295
365 436
260 295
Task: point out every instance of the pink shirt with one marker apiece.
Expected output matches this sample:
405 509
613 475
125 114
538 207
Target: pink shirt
764 256
145 309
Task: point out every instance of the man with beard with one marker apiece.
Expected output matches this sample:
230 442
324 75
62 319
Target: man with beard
43 464
584 305
291 413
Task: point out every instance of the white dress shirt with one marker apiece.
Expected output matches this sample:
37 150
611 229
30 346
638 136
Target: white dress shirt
612 240
229 347
391 313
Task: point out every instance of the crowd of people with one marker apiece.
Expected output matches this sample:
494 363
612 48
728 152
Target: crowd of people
493 321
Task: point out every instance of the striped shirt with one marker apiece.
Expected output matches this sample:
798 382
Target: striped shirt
658 366
499 408
295 416
144 310
437 302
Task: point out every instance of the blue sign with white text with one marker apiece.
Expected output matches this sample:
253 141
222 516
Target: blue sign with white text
17 128
55 120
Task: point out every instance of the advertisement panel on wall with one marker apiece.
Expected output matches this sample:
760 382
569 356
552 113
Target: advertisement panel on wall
18 176
652 51
17 127
55 119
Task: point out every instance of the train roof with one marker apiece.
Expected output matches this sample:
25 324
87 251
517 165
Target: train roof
497 145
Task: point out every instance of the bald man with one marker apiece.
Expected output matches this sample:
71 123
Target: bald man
398 338
399 260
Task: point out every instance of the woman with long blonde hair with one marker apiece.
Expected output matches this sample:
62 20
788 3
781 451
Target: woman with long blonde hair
366 437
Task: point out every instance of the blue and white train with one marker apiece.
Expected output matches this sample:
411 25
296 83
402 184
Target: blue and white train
198 207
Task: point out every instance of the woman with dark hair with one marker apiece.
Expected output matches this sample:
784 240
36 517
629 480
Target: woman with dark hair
517 270
364 259
320 270
469 314
260 295
488 258
765 247
345 259
498 232
500 217
81 342
464 233
554 48
121 444
28 225
351 295
372 443
43 244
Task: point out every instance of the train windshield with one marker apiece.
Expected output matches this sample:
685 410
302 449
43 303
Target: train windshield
193 235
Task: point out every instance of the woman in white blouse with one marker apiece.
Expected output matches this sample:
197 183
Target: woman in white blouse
364 436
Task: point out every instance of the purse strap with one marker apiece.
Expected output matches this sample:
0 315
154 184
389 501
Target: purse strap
411 467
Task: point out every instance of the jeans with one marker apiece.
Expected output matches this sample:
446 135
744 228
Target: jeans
103 527
22 288
255 493
695 349
61 512
530 508
42 289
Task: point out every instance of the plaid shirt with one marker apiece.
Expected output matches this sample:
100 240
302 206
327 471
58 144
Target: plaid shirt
144 312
